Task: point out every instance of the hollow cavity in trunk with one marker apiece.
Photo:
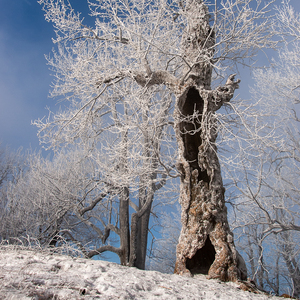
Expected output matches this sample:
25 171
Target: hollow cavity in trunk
202 260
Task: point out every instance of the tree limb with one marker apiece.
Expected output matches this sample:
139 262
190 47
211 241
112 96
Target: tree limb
105 248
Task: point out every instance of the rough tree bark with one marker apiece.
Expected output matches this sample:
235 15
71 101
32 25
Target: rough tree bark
206 243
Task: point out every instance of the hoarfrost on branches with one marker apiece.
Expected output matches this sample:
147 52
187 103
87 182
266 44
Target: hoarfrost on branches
126 81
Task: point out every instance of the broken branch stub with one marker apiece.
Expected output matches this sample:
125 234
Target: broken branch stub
206 243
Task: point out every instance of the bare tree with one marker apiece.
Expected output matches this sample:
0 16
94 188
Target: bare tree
264 176
123 78
31 206
206 242
11 166
10 163
65 199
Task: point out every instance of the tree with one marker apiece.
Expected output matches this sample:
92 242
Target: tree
136 124
30 206
265 192
11 166
123 77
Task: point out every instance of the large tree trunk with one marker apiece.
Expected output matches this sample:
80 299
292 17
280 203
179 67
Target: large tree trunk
206 243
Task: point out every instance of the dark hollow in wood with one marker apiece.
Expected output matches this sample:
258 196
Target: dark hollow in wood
202 260
192 105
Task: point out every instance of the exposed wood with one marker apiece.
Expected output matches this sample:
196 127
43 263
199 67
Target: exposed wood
206 243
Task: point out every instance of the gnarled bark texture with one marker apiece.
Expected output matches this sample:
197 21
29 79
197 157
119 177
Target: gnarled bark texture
206 243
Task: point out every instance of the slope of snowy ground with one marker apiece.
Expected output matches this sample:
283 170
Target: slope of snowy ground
40 275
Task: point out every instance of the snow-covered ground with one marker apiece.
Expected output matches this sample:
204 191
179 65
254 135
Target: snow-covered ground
40 275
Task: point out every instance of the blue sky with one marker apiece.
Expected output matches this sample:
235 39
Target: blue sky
24 76
25 37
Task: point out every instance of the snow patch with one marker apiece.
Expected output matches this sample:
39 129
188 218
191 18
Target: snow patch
28 274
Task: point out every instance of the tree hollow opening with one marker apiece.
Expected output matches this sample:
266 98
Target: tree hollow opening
202 260
191 107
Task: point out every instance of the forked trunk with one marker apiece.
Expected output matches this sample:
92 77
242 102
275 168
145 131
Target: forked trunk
139 233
